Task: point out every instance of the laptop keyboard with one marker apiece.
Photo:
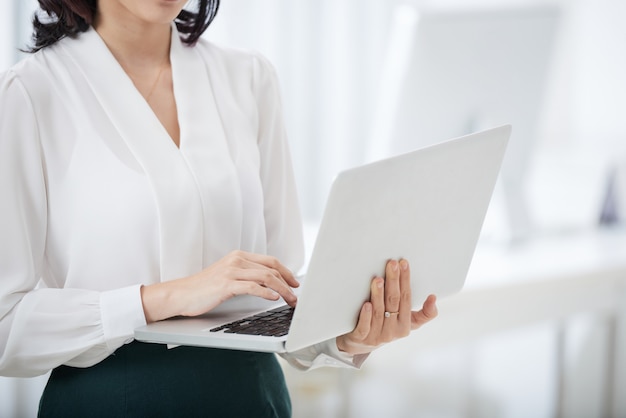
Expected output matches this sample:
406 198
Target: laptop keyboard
274 323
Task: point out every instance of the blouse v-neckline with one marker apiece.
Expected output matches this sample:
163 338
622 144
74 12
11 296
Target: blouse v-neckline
182 176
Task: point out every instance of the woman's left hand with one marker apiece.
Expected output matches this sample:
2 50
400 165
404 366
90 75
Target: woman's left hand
387 316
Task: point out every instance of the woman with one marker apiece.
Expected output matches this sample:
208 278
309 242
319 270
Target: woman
145 174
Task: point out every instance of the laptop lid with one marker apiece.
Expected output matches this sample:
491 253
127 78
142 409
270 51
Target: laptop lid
426 206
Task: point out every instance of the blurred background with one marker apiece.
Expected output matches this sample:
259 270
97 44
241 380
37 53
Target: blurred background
539 330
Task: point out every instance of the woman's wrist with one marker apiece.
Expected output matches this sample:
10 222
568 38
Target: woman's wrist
157 302
340 344
352 348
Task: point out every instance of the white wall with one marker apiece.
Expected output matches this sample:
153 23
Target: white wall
6 34
329 56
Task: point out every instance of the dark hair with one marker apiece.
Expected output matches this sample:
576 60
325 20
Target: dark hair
57 19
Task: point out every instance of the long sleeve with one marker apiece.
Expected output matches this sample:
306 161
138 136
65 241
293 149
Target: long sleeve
282 214
281 208
40 327
324 354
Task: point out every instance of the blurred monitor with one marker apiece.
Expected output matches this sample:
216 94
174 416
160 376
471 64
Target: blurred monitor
449 73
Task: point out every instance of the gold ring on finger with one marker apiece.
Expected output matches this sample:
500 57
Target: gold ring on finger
388 314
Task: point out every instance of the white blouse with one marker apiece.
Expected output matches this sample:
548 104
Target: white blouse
97 200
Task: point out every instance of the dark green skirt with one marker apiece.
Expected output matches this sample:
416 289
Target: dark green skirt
148 380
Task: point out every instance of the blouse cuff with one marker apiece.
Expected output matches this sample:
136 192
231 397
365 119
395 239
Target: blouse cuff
324 354
353 360
122 312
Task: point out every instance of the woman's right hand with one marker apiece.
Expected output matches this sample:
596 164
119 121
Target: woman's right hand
238 273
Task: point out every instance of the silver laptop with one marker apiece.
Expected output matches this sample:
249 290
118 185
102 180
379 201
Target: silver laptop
426 206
